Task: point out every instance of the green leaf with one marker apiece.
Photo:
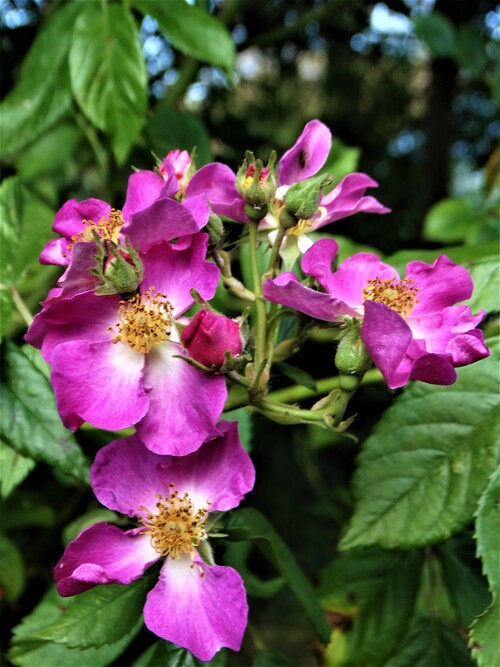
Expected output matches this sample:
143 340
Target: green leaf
13 469
99 616
12 572
449 221
379 588
245 426
422 471
163 654
108 73
26 508
437 31
272 659
486 278
467 588
50 153
484 631
297 375
31 424
24 228
431 643
236 556
174 128
193 31
470 49
249 524
26 651
42 94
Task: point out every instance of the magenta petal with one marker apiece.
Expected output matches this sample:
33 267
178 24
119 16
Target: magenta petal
177 269
69 219
387 338
144 188
126 475
200 608
307 155
164 220
56 252
184 403
352 276
286 289
434 369
317 261
440 284
199 209
467 348
103 554
347 199
81 317
100 383
216 182
220 472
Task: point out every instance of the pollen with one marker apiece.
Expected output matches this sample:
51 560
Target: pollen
176 527
143 321
400 295
108 229
302 227
250 175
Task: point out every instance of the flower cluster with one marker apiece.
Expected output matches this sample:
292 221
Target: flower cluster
128 346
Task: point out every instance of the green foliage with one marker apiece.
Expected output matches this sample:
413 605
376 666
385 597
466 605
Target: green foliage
431 642
43 94
484 630
24 220
379 589
108 73
193 31
31 424
236 556
163 653
102 615
245 426
13 469
297 375
422 471
436 30
172 128
470 49
271 659
12 570
249 524
30 651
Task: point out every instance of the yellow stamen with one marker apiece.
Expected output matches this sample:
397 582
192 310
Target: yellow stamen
175 528
108 229
400 295
144 321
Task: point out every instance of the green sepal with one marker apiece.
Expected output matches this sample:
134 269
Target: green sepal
302 199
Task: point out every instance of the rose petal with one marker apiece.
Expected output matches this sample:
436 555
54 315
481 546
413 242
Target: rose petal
200 608
387 338
103 554
100 383
220 471
184 403
216 182
440 284
307 155
177 269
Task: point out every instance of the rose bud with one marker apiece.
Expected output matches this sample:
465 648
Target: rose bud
209 336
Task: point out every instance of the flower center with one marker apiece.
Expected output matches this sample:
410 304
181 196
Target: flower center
400 295
144 321
108 229
249 177
175 528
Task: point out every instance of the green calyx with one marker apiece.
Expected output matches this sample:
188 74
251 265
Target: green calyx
351 359
119 269
302 199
